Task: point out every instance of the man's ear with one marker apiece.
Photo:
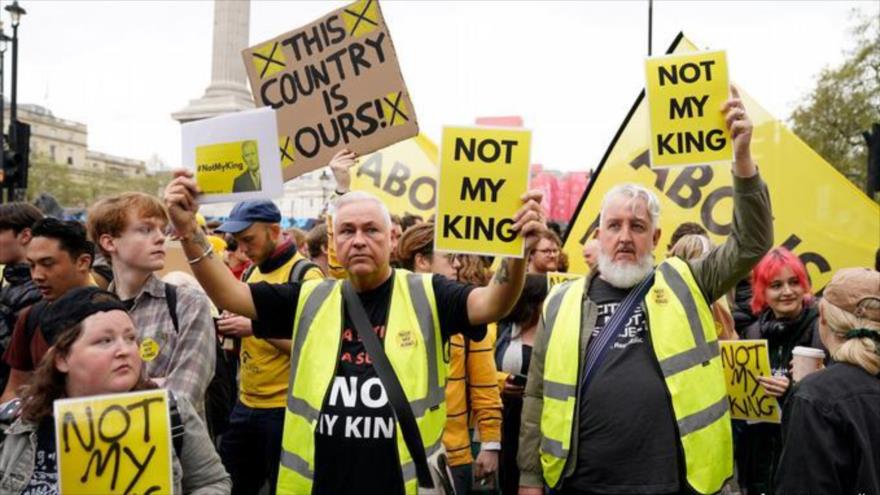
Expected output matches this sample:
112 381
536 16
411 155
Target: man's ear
25 236
657 233
275 231
84 263
107 243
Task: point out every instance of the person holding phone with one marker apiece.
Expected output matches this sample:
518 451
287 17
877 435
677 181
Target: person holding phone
513 350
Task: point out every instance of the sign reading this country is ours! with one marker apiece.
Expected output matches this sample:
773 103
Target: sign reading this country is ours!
335 83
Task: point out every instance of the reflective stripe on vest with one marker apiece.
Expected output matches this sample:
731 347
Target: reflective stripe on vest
689 361
413 345
560 377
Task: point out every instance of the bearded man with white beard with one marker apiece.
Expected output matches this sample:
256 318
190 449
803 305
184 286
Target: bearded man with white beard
626 392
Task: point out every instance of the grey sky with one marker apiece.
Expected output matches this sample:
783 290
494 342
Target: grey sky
571 69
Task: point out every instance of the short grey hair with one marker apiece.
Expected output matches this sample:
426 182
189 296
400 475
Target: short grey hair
633 191
358 197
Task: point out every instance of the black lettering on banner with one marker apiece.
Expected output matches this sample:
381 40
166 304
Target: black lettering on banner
590 230
811 258
334 100
674 143
343 127
395 184
689 72
470 191
708 207
477 228
488 150
689 178
678 110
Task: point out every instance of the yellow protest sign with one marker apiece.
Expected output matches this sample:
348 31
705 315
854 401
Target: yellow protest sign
114 444
556 278
218 165
403 176
743 362
818 214
483 174
685 94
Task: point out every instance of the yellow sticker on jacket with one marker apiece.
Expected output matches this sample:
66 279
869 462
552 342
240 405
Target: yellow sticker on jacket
149 349
406 339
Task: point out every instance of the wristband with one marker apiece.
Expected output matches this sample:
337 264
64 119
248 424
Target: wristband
208 252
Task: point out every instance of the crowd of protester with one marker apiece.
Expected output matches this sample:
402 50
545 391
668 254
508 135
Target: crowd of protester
489 380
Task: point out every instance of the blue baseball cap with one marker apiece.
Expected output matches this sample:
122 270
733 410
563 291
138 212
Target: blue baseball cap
245 213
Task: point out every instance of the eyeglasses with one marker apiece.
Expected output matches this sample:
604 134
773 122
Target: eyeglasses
547 252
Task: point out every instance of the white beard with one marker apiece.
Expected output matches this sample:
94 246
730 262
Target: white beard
625 275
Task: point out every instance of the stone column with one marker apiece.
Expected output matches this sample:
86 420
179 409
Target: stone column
227 91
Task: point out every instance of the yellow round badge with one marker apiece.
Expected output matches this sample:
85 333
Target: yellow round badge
149 349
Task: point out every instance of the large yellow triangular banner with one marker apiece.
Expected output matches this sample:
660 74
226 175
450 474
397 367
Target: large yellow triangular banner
818 214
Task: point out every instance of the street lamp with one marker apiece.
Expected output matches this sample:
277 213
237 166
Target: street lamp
15 13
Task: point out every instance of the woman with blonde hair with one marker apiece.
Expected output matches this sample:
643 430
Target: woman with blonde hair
694 247
831 423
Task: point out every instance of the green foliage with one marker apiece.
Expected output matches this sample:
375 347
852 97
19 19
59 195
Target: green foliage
844 103
81 188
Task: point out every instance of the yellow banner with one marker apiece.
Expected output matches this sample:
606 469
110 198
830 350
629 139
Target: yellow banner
403 176
743 362
685 94
219 165
556 278
818 213
114 444
483 174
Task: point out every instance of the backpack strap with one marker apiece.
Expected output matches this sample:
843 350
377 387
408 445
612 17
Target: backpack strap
32 320
177 429
247 272
300 268
171 301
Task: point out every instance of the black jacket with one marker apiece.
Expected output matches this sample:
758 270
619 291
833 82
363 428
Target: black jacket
831 434
18 293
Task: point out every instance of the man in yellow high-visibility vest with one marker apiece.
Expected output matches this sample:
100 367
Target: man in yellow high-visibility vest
340 433
653 417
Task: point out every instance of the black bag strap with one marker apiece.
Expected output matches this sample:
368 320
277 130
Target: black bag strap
32 320
405 417
299 270
177 429
599 349
171 301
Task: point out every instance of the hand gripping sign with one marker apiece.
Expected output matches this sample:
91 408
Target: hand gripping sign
117 443
743 362
685 95
335 84
483 174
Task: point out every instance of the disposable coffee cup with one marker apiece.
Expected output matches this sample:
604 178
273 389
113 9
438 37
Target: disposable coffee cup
806 360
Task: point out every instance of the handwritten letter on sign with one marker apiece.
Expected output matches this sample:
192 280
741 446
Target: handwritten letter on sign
114 444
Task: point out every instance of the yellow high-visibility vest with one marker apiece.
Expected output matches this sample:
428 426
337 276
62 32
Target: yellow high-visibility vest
684 343
413 345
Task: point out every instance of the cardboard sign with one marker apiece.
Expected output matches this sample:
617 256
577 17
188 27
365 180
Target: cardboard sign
821 217
403 176
114 444
743 362
556 278
685 95
483 173
234 156
335 84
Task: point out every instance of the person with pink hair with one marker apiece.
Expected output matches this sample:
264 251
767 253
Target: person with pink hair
782 300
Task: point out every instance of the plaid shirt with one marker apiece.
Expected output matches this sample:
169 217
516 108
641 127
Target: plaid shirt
186 358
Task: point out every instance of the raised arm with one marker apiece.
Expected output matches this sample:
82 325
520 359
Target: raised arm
493 302
221 286
751 234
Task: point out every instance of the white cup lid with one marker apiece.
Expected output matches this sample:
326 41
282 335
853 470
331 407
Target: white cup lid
809 352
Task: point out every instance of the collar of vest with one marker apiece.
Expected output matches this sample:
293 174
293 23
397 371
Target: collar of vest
282 254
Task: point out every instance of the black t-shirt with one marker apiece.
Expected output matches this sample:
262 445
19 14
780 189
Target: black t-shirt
355 441
44 480
626 430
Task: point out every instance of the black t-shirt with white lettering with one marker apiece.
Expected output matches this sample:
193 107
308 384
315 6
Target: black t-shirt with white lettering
626 434
355 441
44 480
